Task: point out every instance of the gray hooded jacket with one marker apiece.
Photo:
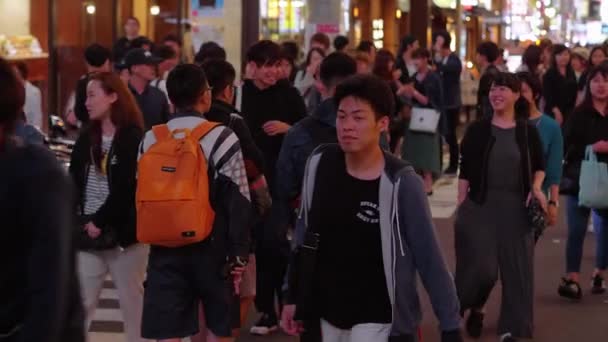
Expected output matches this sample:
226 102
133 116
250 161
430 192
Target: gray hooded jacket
409 245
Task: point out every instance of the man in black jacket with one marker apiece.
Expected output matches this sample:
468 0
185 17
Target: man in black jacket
449 67
487 54
300 142
221 76
39 290
270 109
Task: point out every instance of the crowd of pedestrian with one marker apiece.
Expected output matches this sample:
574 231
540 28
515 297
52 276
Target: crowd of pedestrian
299 188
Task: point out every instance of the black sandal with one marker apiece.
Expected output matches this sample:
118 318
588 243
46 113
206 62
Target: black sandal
570 289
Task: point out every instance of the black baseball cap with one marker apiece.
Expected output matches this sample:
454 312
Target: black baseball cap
96 55
140 57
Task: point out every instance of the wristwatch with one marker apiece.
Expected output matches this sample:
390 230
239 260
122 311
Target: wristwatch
554 203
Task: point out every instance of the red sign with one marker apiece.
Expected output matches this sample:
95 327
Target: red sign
328 28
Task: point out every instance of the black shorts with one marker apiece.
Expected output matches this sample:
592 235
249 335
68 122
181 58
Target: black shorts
178 280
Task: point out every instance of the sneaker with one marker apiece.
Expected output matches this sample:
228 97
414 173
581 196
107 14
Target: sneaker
474 324
265 325
507 338
570 289
598 285
451 171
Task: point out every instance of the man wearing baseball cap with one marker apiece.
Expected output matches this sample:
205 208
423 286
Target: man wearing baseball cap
152 101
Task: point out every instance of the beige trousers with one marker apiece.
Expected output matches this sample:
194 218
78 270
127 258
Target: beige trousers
127 268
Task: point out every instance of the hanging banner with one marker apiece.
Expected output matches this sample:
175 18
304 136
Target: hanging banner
207 8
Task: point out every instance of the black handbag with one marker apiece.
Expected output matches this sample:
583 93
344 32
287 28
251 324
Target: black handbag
108 238
302 277
536 214
569 184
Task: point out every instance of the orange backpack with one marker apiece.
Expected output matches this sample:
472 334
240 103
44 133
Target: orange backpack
173 206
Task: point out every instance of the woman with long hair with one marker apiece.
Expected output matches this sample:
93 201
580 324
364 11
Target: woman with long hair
103 166
597 56
501 172
559 85
420 148
305 78
589 126
531 60
552 139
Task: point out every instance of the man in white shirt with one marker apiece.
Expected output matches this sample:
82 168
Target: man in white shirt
33 98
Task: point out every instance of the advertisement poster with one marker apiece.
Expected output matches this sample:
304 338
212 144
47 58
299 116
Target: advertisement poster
207 8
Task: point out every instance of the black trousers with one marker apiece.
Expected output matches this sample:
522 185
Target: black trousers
271 264
453 116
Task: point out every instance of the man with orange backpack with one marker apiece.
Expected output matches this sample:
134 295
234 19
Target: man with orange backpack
193 208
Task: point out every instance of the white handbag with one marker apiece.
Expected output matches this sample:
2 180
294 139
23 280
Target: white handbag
424 120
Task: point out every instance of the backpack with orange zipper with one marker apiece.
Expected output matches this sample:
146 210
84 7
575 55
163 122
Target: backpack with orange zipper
172 199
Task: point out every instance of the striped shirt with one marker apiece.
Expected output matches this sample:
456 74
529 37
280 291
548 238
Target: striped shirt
227 159
97 189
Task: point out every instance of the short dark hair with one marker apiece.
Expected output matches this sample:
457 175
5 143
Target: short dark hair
264 52
421 53
220 74
533 81
12 97
447 39
185 84
165 52
321 38
96 55
134 19
532 57
340 42
290 51
139 42
489 50
22 69
366 46
336 67
172 38
208 51
370 89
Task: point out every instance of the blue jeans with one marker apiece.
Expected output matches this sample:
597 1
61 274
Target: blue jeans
578 219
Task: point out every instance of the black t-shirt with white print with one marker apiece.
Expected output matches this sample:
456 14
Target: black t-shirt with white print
350 285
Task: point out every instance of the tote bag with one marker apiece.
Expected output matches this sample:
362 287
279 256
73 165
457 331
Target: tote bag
593 182
424 120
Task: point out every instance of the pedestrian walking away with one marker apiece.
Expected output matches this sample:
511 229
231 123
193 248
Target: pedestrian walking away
186 266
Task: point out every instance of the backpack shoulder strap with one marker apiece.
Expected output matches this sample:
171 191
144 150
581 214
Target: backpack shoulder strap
238 104
202 129
161 132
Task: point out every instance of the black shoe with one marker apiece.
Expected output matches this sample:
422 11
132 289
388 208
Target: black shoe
266 325
598 285
474 324
451 171
570 289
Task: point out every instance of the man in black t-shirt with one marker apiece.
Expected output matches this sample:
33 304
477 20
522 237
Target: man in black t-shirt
365 220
